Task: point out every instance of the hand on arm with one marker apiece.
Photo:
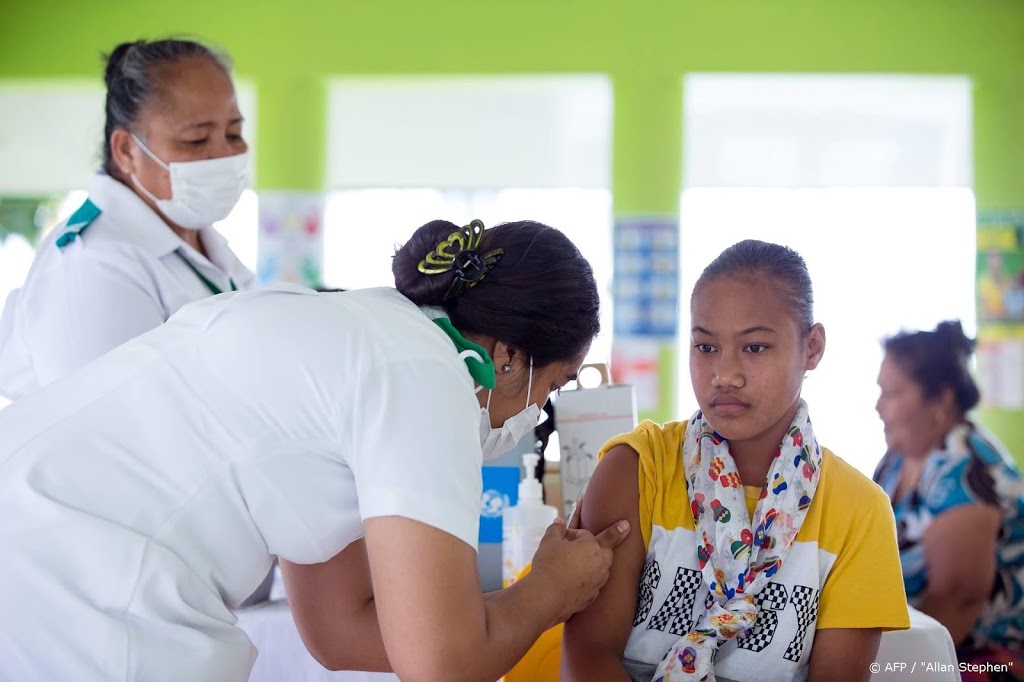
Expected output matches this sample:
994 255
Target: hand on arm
434 620
595 638
960 553
567 556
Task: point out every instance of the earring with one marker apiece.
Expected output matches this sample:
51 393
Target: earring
505 369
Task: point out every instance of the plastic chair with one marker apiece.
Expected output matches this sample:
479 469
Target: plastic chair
543 660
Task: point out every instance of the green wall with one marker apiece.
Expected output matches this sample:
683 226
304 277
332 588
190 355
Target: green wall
288 49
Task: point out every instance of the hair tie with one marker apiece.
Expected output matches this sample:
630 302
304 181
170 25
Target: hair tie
459 252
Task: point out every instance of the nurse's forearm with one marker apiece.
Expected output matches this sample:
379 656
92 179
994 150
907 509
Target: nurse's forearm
516 617
433 617
342 634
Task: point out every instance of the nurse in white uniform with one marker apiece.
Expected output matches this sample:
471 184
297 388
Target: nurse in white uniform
144 496
143 244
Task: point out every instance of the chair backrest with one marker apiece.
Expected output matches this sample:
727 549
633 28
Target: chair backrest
542 662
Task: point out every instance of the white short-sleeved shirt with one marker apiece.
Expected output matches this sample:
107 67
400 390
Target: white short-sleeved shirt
145 495
122 274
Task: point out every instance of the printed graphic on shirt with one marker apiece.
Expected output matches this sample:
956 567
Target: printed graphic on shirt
673 596
843 569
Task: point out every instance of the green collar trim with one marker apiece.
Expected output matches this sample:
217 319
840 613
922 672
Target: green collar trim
481 370
214 289
77 223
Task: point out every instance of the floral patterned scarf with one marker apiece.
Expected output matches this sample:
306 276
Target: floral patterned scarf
737 555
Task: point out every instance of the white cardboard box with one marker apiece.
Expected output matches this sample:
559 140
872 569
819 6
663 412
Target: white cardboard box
585 419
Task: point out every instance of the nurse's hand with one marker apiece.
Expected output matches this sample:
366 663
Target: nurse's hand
576 563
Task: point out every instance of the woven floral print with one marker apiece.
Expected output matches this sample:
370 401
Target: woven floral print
737 555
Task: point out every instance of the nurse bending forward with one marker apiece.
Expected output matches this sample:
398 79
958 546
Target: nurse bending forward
146 495
143 244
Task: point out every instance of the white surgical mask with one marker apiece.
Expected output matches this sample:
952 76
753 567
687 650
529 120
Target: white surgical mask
202 192
496 442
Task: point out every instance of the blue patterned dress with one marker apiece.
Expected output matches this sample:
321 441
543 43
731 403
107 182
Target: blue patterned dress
972 467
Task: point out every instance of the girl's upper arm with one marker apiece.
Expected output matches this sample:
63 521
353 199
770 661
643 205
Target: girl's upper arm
843 654
596 637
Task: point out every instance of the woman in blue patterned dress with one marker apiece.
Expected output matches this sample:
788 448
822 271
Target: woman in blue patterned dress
957 497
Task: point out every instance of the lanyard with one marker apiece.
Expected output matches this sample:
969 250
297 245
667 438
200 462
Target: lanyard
479 363
209 285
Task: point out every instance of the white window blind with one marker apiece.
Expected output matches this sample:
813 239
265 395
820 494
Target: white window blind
870 183
810 130
469 132
51 134
406 150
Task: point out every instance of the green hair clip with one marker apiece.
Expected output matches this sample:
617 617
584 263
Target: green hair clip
459 252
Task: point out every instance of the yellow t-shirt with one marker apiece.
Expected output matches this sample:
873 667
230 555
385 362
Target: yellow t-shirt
843 570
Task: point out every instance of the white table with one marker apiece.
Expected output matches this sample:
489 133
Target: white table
283 657
907 654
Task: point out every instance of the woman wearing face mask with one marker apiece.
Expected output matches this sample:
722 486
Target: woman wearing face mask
146 495
142 245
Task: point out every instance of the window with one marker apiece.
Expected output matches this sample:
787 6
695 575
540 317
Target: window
404 151
364 227
879 259
868 178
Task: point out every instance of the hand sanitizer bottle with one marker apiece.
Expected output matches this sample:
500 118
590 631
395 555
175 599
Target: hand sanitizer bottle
523 525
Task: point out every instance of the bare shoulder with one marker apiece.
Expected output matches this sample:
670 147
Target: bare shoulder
656 445
612 493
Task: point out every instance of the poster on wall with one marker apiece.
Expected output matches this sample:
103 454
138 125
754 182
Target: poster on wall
646 301
290 238
1000 283
635 362
1001 372
1000 292
646 289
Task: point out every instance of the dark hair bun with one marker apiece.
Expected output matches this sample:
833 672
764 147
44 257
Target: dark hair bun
419 288
540 299
114 61
952 333
937 360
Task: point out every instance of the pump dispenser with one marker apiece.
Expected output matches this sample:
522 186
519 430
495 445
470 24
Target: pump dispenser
523 525
530 488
